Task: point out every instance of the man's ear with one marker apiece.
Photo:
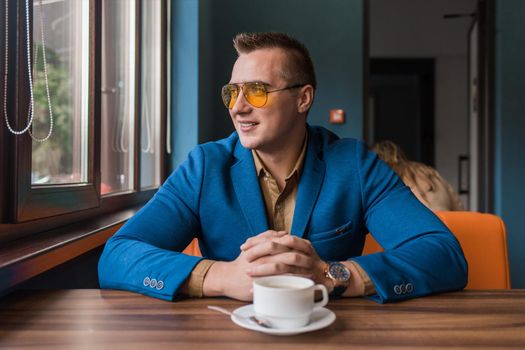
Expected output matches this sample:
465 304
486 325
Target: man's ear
305 98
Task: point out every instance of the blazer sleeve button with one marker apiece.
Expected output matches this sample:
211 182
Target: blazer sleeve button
146 282
160 285
397 289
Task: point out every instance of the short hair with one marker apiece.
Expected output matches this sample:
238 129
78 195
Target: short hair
300 66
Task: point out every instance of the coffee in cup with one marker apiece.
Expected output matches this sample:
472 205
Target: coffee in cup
286 301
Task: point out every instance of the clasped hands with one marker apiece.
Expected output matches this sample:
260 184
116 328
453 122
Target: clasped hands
269 253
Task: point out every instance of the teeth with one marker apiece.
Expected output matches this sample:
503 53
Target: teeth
248 124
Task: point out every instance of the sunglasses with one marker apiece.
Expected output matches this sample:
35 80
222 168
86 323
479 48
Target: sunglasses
255 93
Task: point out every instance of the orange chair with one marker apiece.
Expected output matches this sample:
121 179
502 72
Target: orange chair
482 237
193 248
484 242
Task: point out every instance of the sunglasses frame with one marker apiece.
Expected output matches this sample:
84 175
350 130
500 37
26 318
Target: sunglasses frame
241 87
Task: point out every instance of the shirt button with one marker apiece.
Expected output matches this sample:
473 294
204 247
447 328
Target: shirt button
146 282
153 283
278 206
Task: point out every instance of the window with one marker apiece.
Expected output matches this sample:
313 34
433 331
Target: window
60 85
94 76
152 52
118 95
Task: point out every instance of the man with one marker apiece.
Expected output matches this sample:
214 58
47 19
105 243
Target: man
281 197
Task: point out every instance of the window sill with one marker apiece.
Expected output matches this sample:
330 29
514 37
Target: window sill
25 258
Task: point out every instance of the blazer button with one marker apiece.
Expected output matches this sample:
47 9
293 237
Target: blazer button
397 289
410 287
160 285
153 283
403 288
146 282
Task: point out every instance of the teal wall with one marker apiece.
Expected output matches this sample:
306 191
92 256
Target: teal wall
184 99
203 56
510 130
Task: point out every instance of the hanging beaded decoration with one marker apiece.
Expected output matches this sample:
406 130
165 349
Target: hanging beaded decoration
29 70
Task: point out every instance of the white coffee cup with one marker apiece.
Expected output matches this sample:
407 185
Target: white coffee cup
286 301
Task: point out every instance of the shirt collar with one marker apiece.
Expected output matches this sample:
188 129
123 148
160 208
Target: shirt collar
298 167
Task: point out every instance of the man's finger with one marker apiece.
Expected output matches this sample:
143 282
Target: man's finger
295 243
271 269
292 258
266 235
264 248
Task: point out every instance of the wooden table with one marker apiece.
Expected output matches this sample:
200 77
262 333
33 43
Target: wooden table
103 319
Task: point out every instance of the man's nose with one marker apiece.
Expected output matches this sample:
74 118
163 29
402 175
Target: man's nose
241 106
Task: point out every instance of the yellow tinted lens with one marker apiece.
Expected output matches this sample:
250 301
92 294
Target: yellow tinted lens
255 94
229 95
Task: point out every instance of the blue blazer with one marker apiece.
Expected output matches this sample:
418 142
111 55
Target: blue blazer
344 192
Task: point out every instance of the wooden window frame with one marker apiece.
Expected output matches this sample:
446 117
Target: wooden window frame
38 202
26 210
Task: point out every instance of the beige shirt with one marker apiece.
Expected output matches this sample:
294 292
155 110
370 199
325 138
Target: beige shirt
280 205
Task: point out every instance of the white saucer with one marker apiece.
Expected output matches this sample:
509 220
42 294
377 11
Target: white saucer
320 318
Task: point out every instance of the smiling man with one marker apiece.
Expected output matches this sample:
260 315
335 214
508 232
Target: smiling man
281 197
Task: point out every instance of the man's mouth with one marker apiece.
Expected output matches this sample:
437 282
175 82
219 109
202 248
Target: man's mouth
245 125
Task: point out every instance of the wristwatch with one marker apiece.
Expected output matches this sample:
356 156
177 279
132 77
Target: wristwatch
340 276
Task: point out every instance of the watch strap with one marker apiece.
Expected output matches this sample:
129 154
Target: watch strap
338 292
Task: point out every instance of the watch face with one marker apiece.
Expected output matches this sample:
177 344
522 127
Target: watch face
339 272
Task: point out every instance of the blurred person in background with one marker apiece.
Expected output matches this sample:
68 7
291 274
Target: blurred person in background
424 181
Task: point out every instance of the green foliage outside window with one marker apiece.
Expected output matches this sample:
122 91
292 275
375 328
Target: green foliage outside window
52 159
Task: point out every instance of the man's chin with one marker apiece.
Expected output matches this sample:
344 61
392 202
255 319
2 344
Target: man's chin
247 143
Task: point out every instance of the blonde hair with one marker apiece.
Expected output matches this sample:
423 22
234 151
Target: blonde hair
439 195
391 154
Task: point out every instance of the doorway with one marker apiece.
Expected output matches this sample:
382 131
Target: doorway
401 105
431 123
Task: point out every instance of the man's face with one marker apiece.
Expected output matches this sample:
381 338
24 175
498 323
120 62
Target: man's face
278 123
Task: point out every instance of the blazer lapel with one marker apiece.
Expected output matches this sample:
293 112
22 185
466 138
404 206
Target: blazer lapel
247 190
309 187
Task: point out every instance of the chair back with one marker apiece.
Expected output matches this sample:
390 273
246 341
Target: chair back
484 242
193 248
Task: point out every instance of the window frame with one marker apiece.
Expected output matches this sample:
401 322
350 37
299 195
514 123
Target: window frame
27 209
33 202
